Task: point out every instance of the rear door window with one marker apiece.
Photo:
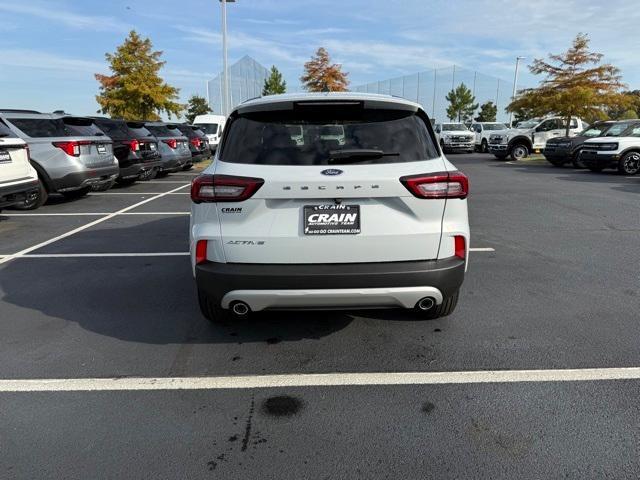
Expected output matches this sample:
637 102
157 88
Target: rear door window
291 138
41 127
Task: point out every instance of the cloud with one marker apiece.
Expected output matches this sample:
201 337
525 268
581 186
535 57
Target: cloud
68 18
40 60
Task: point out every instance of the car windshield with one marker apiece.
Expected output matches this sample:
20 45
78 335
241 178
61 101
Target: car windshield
370 136
41 127
528 123
449 127
494 126
595 130
208 128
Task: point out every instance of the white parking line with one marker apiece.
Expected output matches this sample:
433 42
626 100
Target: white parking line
140 194
89 214
317 380
84 227
482 249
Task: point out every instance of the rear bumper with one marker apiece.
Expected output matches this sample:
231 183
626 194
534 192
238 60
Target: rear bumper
175 162
14 194
281 286
94 177
592 159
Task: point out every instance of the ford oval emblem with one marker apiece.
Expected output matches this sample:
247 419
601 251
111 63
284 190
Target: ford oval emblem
332 171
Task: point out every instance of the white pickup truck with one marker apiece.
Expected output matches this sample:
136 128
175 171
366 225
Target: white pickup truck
482 131
454 137
531 135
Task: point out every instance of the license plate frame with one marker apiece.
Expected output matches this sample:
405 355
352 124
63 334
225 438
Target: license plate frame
340 219
5 156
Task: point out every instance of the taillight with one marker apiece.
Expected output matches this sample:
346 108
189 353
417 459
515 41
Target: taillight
173 143
196 142
134 145
460 247
438 185
201 251
223 188
71 148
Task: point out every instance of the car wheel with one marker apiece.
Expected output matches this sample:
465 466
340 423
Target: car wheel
629 164
148 174
76 193
484 147
212 310
519 151
35 201
447 307
575 161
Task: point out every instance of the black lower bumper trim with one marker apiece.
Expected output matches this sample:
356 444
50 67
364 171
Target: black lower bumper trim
14 194
217 279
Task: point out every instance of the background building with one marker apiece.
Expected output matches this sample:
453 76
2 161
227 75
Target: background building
246 79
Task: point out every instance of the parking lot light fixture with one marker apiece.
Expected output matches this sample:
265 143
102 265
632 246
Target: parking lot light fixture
515 84
225 70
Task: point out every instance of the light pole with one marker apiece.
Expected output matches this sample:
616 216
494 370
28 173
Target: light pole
225 70
515 84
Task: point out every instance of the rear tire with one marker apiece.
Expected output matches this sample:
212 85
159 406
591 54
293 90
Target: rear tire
446 308
37 201
629 164
76 193
575 161
212 310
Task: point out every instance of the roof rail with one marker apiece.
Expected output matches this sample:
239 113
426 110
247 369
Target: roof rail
17 110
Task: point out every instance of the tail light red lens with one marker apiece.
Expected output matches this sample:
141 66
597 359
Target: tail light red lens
173 143
134 145
196 142
223 188
201 251
460 247
71 148
438 185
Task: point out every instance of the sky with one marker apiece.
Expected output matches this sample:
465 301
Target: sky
50 49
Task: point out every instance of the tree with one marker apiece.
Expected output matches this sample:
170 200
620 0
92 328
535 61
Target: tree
461 106
576 84
628 115
618 112
274 84
488 112
135 90
323 76
196 105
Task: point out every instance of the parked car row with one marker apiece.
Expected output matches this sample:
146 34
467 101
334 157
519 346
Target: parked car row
604 145
46 153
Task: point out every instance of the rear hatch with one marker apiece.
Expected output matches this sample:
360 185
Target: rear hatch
329 180
145 145
14 158
95 148
171 142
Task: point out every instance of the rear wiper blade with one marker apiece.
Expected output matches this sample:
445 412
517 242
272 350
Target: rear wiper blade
353 155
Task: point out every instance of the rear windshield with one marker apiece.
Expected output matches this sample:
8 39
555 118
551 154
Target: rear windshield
140 132
85 130
365 136
187 130
161 131
42 127
209 128
115 129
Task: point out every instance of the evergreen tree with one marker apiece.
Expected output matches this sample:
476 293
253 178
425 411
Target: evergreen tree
461 106
196 105
274 84
135 90
488 112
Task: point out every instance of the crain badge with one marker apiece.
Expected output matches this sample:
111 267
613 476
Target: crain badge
332 171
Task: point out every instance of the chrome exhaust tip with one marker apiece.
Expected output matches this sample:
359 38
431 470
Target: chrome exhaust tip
426 303
240 309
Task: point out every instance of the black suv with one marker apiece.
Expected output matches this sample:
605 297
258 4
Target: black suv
134 146
561 150
198 143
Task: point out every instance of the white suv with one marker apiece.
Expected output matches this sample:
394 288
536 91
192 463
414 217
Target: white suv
376 219
620 152
18 178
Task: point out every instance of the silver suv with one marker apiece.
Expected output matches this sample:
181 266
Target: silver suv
173 146
67 162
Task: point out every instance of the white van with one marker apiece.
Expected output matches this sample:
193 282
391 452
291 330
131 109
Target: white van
212 126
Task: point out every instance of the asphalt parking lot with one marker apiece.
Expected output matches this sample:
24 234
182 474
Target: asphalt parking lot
101 288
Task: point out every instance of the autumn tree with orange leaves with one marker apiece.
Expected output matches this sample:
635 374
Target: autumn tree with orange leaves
575 84
135 90
323 76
